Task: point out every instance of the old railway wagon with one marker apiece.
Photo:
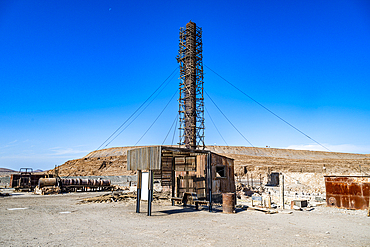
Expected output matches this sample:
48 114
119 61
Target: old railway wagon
202 174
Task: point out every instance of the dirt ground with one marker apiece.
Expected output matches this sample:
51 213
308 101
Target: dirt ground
61 220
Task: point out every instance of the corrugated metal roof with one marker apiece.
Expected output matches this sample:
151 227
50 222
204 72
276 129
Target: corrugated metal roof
146 158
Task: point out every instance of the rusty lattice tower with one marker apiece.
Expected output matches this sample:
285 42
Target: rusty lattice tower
191 101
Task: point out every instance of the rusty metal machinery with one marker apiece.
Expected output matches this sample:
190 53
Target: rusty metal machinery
72 184
191 101
26 179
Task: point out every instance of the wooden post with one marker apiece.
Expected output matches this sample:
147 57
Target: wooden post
260 180
269 200
138 192
281 190
173 182
150 192
209 178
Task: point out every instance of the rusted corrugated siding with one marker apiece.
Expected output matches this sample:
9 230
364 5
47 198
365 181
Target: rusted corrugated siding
146 158
350 192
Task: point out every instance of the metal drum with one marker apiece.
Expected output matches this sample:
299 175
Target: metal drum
228 203
84 181
105 182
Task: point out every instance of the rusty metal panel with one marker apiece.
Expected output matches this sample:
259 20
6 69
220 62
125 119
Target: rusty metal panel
145 158
350 192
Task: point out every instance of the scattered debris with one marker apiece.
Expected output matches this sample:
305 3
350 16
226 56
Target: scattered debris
298 203
123 196
47 190
286 212
265 210
12 209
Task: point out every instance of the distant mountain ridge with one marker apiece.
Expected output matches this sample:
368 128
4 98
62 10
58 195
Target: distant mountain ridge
248 151
113 161
6 170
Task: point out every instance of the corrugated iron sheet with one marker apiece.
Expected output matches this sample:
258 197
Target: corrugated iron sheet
350 192
146 158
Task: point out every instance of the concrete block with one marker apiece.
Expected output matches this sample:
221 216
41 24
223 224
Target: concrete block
300 203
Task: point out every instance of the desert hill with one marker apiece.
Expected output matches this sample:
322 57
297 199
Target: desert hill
6 170
113 161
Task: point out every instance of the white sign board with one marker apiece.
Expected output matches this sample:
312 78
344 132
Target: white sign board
144 186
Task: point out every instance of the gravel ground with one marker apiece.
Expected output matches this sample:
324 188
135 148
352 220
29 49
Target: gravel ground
60 220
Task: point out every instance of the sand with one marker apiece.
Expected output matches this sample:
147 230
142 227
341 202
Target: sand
61 220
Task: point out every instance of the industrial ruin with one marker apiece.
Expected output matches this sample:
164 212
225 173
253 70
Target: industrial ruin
192 176
51 183
196 175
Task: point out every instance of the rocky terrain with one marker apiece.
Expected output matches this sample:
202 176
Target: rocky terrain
6 172
304 170
256 161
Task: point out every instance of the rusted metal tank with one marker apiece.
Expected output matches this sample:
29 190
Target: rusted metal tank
47 182
350 192
78 182
228 203
84 181
105 182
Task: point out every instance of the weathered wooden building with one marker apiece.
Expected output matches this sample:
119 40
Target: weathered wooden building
201 174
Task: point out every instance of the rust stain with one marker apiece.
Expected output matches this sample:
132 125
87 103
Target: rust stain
350 192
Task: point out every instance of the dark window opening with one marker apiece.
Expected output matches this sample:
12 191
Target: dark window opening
220 171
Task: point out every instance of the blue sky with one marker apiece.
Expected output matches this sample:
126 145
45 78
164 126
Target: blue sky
73 71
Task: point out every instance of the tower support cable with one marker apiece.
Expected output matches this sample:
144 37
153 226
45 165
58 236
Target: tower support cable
209 115
264 107
228 119
134 113
156 118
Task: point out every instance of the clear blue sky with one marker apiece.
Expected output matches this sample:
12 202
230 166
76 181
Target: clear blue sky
71 72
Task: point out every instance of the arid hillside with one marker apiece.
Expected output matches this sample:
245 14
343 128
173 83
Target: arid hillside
254 160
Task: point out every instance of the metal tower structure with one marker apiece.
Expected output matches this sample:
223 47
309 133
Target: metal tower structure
191 100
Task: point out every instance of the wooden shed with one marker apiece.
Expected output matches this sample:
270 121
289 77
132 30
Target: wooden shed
199 174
